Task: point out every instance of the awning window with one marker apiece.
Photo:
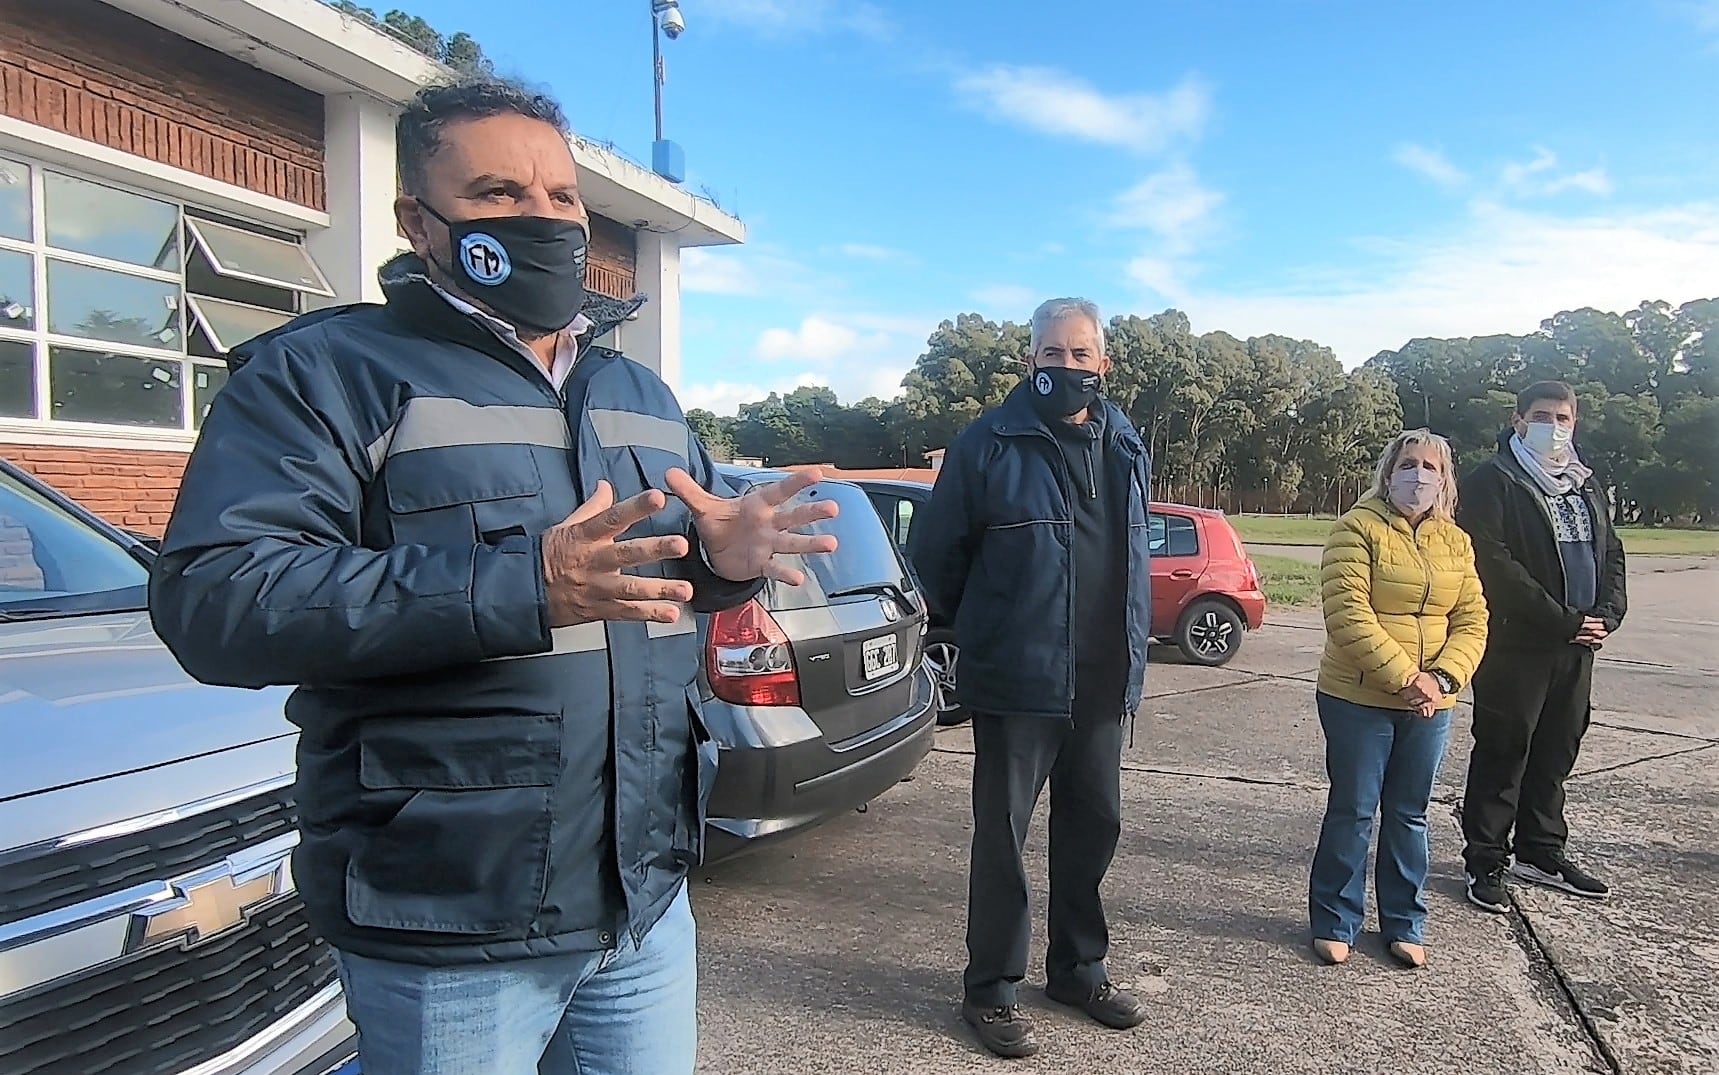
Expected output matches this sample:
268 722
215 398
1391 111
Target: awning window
260 259
228 324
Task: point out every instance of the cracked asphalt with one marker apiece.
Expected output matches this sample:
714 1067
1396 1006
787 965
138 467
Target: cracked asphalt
842 951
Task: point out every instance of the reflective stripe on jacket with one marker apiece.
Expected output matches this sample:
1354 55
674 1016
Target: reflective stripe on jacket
361 518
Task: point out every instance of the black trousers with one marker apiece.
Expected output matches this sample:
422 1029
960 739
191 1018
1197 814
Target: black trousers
1531 709
1012 759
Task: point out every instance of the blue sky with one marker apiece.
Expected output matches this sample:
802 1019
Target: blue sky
1354 173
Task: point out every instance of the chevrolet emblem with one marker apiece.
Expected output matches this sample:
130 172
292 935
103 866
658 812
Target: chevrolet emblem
203 906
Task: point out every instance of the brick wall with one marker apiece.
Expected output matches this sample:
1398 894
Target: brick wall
613 260
132 489
89 70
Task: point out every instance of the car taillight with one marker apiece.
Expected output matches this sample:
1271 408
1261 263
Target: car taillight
749 659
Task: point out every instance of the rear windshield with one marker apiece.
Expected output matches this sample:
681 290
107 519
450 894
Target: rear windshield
865 559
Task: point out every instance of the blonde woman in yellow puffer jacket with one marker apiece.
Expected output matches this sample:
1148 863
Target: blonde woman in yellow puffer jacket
1405 627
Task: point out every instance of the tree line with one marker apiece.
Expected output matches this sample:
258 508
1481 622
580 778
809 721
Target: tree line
1271 423
459 51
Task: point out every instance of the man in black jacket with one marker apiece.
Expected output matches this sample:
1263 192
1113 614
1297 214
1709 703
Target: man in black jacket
1034 544
444 520
1553 570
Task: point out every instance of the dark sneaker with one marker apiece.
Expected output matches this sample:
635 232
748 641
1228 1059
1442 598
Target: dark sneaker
1004 1030
1556 871
1113 1007
1489 891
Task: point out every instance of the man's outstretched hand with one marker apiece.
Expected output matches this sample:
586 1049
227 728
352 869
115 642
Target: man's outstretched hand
583 563
742 536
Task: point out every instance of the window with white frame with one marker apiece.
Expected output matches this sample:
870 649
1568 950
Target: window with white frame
116 308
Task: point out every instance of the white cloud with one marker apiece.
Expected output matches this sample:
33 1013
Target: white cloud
746 270
1172 204
721 398
1503 270
819 340
855 354
712 273
785 18
1054 102
1161 276
1179 212
1517 176
1594 181
1538 177
1429 163
851 383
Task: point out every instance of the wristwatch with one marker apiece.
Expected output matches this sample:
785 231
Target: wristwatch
1446 681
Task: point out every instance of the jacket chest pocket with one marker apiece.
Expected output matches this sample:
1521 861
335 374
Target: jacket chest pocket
464 495
651 467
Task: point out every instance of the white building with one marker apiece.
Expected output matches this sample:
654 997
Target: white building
179 175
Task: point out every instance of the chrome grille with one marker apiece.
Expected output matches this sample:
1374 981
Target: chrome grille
170 1009
37 883
165 1007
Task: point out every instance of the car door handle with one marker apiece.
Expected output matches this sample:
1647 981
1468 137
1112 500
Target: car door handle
1181 573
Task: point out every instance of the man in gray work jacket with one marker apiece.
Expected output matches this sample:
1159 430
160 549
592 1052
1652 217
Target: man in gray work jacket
475 542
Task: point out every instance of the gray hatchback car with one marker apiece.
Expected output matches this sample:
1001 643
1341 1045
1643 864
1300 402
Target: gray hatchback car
817 694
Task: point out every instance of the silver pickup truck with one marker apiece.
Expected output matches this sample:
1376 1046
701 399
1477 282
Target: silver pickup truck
148 920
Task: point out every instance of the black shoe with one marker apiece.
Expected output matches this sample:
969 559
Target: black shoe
1003 1030
1115 1008
1555 871
1489 891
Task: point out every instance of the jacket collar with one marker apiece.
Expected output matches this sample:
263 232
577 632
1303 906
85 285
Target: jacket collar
405 281
1016 417
1506 461
418 305
1392 517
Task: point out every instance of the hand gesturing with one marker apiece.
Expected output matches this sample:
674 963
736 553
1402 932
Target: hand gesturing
743 535
582 563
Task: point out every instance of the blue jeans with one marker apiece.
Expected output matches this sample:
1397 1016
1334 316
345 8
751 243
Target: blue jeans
1380 762
628 1011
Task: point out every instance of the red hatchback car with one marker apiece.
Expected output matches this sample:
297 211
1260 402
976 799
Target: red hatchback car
1203 583
1205 589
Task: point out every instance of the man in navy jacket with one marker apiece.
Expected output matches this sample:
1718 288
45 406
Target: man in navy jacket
1034 543
444 520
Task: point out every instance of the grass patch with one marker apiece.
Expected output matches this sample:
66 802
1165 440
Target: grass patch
1640 540
1282 530
1288 581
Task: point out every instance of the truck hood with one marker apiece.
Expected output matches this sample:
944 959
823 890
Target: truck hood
88 697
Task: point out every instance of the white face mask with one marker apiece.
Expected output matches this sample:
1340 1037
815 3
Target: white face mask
1547 439
1414 492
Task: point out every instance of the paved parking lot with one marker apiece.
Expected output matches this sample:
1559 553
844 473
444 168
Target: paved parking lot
842 952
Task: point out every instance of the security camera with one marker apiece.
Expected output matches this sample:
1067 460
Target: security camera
673 23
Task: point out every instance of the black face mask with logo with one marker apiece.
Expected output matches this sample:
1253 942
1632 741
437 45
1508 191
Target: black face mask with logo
528 270
1058 392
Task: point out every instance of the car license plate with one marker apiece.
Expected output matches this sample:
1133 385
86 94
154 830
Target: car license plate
878 657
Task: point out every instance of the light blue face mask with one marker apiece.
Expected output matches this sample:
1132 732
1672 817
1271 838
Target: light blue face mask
1547 439
1414 492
